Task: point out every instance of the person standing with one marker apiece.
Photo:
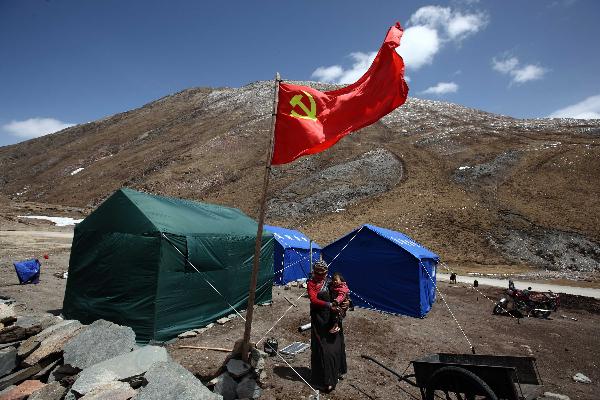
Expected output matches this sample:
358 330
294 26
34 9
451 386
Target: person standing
328 351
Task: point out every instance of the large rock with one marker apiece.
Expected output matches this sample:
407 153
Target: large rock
22 391
581 378
54 342
8 360
16 333
237 368
169 380
97 342
44 321
225 385
111 391
52 391
7 311
70 396
248 389
19 376
119 368
29 345
257 359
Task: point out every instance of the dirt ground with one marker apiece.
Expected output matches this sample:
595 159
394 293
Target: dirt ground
562 346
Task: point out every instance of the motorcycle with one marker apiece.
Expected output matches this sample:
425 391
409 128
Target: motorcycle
527 302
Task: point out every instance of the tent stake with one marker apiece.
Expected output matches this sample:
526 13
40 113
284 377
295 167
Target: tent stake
259 232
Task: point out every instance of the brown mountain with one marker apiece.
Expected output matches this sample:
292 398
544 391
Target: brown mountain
484 191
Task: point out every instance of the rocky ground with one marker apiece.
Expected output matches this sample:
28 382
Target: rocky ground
564 345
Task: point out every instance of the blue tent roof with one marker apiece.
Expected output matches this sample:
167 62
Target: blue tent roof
289 238
404 241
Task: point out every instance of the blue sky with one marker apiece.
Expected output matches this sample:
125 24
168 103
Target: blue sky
71 61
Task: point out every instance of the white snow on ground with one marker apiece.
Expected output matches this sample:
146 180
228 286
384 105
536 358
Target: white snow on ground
77 171
463 167
58 221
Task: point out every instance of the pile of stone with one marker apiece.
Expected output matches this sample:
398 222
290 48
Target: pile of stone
43 357
239 380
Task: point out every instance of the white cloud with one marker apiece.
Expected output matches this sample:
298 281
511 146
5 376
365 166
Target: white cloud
585 109
442 88
453 25
429 29
419 45
336 74
328 74
519 74
506 65
528 73
35 127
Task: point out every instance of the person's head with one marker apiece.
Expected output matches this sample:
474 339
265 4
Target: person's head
320 268
337 278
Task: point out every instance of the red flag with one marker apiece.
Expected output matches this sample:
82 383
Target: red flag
310 121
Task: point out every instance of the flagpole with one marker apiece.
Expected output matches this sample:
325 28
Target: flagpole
261 220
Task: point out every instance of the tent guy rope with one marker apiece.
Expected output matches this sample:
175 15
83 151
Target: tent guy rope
202 275
481 293
447 306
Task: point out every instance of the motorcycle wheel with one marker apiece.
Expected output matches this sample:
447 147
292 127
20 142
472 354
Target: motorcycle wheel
497 309
541 314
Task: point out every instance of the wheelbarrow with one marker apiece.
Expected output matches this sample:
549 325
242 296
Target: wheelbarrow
472 376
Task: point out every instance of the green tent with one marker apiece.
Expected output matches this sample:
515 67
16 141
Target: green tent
128 264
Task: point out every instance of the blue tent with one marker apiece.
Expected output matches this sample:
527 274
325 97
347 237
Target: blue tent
291 254
385 270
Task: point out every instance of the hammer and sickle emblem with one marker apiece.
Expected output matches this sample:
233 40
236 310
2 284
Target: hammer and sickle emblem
308 114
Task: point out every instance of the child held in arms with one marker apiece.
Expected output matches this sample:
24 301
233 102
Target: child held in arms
339 294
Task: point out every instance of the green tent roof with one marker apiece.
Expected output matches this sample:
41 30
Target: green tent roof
130 211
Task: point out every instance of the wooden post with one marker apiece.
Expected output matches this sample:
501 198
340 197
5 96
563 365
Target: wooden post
259 232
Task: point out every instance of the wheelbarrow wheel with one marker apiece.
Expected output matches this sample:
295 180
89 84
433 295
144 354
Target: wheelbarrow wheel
457 383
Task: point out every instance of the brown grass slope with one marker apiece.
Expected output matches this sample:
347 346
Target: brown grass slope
484 191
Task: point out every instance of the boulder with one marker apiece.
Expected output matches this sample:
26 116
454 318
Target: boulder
169 380
119 368
111 391
16 333
581 378
70 396
7 312
237 368
98 342
44 321
54 342
22 391
257 359
8 360
51 391
225 385
20 375
32 343
248 389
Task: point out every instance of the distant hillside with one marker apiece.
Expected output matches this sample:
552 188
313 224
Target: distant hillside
482 190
